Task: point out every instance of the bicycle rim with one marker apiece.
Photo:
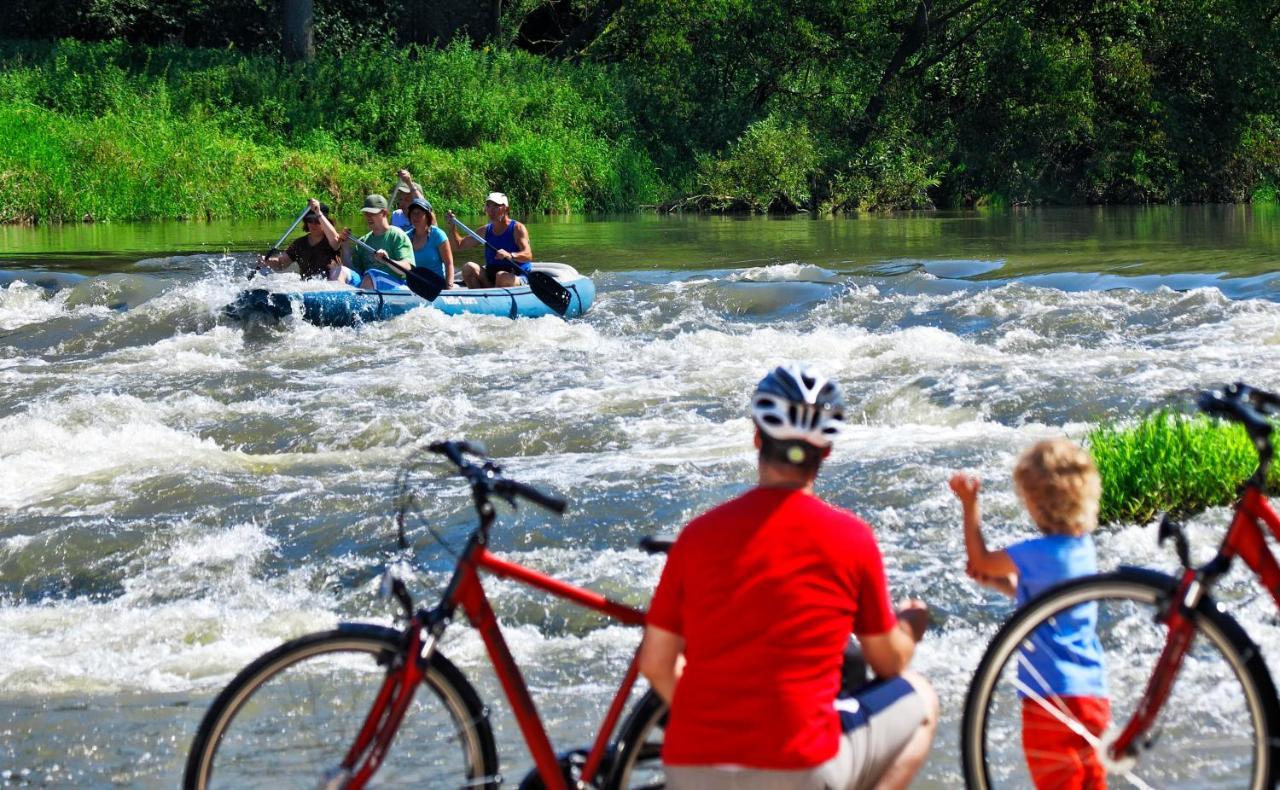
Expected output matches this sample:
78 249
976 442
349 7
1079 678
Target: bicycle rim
289 718
638 750
1211 732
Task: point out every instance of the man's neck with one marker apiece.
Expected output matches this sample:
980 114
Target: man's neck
774 476
500 224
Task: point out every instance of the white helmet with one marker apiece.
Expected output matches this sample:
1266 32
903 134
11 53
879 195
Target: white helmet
795 402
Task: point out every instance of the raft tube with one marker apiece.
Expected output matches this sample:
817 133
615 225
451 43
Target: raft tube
342 306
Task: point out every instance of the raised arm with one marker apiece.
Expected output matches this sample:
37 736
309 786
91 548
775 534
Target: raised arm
407 180
330 232
994 569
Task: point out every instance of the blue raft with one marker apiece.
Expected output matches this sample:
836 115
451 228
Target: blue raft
342 306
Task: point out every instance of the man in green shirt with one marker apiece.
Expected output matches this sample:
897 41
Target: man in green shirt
383 270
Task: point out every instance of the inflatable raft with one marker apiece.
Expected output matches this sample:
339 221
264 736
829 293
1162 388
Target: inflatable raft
337 305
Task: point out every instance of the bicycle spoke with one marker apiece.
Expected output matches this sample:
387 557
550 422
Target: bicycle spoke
293 721
1209 732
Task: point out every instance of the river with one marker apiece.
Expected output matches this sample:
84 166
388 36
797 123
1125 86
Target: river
182 494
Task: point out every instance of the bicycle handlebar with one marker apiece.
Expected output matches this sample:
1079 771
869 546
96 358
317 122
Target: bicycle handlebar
1243 404
549 501
488 479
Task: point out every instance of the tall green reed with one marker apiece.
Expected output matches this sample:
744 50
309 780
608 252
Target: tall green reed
1168 461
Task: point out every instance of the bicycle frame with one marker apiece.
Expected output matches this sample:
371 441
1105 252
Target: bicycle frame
1244 539
470 595
466 592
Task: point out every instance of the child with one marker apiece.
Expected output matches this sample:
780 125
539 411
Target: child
1062 660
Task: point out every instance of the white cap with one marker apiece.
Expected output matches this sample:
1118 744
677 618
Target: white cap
498 198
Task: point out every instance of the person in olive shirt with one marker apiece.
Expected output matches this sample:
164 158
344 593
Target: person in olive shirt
317 254
394 251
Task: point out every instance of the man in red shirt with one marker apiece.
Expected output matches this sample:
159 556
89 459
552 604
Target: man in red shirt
746 632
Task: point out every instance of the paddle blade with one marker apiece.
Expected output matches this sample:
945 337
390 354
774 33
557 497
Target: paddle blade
550 291
424 283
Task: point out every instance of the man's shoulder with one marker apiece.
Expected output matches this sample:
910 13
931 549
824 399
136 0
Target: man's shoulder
759 503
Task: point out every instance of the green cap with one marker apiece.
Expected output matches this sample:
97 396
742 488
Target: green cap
374 203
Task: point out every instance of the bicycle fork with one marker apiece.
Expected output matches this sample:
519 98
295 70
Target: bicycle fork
1181 633
1178 618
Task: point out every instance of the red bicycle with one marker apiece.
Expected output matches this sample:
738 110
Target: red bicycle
1192 701
325 710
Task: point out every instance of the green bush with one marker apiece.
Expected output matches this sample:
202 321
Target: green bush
1169 462
126 132
768 167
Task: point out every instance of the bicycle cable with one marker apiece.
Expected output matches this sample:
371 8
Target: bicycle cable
407 500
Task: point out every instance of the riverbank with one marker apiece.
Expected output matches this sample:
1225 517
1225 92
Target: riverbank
665 112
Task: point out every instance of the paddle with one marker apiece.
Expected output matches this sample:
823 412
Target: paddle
423 282
265 270
543 285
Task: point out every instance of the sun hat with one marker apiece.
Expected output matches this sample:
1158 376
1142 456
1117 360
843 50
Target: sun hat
416 187
374 203
497 198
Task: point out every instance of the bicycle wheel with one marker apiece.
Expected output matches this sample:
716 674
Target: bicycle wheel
637 752
288 719
1213 731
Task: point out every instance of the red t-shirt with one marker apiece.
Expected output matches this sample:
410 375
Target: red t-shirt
765 590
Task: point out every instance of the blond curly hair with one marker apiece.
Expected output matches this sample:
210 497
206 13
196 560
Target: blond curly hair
1060 487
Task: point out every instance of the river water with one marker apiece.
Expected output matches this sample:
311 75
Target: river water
182 493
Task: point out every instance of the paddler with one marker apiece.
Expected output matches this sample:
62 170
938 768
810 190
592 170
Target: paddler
407 191
319 253
507 256
394 251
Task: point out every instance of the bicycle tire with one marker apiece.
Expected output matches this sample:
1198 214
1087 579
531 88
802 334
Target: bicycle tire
288 718
637 751
1214 730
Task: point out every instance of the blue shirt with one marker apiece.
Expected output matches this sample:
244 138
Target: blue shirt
1064 654
429 256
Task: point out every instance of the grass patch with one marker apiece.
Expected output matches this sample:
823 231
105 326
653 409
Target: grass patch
1169 461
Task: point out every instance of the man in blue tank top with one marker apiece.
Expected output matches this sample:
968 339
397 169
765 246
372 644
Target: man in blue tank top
507 256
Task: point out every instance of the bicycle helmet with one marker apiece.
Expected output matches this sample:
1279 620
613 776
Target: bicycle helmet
796 402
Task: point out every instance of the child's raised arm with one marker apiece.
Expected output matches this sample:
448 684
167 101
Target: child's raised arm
994 569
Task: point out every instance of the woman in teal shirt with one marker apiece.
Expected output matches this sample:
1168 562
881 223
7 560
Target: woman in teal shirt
430 244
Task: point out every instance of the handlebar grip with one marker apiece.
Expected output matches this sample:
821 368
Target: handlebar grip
1265 402
549 501
1236 405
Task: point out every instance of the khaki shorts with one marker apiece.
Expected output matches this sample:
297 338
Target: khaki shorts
878 721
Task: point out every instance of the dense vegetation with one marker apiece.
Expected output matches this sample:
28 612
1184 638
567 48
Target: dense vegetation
1169 462
825 105
123 131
